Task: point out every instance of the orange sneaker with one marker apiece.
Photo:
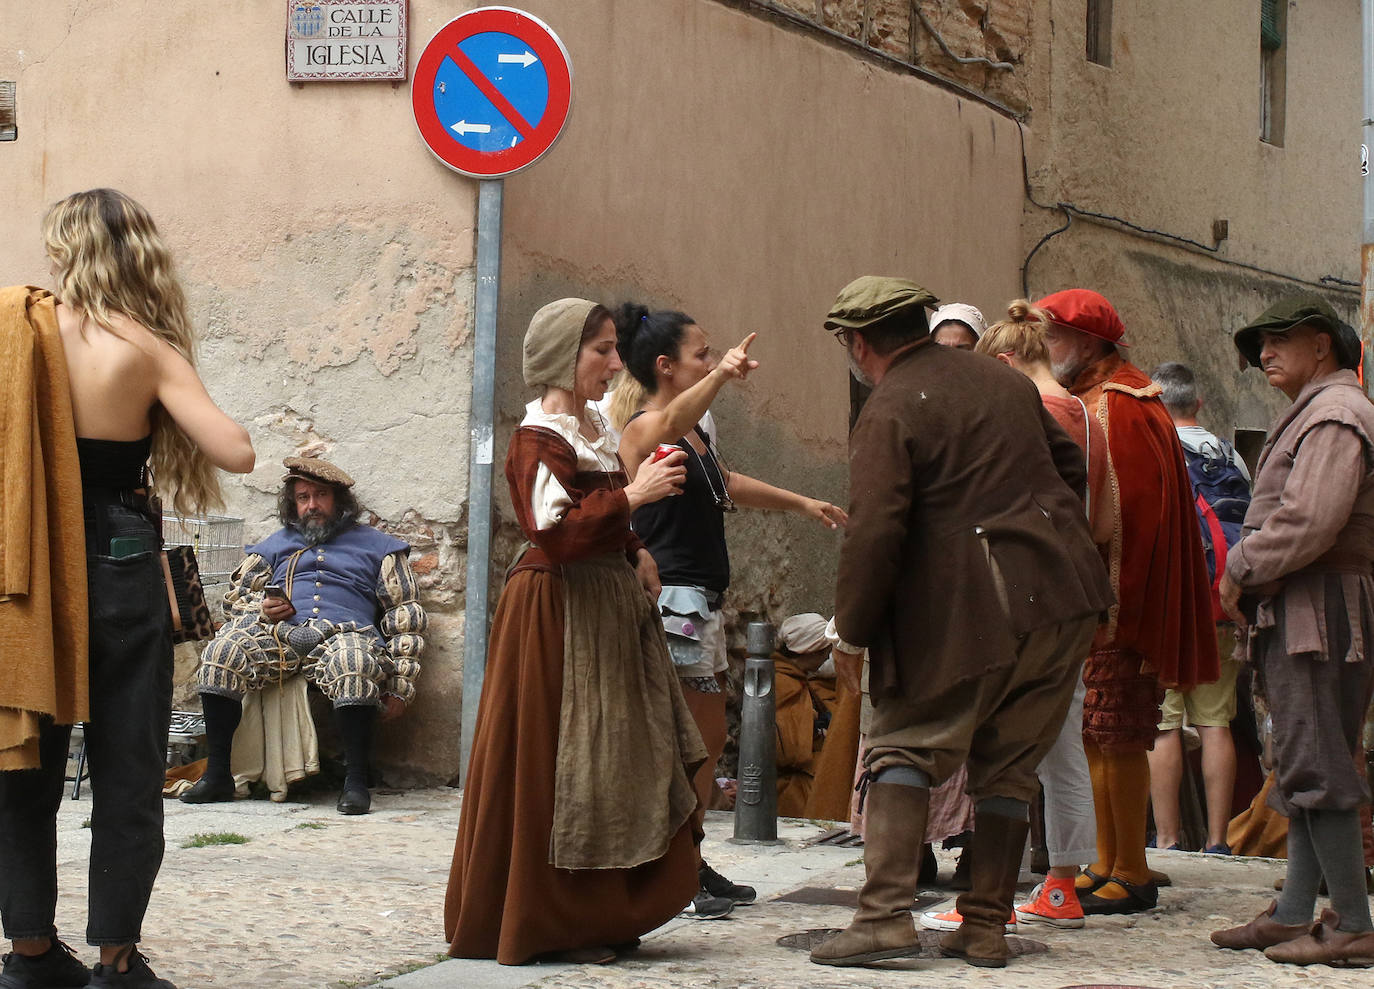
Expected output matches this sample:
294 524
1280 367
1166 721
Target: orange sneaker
1053 902
949 920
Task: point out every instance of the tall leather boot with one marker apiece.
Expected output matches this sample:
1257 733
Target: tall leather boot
997 845
894 828
216 785
355 723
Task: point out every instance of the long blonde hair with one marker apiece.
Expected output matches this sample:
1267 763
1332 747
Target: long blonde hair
1021 334
110 260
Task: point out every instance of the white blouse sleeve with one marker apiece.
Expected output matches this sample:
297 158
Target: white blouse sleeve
549 501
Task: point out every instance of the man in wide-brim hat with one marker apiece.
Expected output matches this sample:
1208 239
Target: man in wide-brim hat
1300 578
969 574
324 596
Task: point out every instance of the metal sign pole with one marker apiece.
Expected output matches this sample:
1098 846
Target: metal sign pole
482 417
1367 229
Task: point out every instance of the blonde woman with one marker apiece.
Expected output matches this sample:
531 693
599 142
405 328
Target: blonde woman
141 415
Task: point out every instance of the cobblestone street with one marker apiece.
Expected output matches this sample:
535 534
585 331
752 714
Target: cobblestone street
314 900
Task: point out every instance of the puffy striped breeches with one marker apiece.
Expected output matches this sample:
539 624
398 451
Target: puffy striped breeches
349 666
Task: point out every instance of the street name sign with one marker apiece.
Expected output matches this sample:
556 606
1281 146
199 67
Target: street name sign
491 91
345 40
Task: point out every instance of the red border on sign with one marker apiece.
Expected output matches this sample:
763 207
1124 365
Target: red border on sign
542 42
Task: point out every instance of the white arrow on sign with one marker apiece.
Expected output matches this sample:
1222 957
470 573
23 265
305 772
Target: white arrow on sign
525 60
463 127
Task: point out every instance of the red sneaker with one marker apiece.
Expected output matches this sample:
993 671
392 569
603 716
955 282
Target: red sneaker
1053 902
949 920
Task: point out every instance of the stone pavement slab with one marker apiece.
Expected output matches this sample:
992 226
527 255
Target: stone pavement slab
314 900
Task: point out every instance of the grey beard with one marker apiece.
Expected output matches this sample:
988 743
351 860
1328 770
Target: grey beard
858 373
315 533
1067 373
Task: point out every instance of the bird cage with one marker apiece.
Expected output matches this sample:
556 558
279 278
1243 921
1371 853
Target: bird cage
216 540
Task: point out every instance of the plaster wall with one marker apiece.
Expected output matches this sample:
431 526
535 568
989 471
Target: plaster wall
1167 138
743 169
327 257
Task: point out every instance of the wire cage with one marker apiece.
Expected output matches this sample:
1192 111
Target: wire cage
217 541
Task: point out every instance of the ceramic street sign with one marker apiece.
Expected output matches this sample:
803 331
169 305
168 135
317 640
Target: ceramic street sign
345 40
491 91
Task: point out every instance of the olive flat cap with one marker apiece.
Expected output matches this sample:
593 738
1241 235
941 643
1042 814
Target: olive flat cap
869 298
1294 311
315 469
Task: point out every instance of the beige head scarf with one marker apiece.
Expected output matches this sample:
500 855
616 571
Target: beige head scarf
552 342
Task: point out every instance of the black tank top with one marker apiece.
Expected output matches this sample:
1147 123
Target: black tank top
685 534
117 464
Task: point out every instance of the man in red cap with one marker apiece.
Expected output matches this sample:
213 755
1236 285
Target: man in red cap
1160 634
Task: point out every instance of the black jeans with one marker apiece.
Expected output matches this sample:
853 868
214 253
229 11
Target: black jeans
126 744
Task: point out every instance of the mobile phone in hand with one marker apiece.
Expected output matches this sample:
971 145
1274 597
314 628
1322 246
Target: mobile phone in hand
274 591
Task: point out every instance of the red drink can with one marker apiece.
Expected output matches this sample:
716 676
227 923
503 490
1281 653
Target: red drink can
663 450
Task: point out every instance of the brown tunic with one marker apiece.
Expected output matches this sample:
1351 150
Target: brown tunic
1306 565
505 898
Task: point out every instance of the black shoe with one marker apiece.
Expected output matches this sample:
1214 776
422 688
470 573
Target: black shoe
56 968
139 975
704 906
355 799
209 790
717 885
962 880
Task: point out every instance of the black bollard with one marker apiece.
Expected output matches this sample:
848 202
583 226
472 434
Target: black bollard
756 800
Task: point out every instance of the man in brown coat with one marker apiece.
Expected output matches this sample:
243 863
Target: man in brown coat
969 574
1300 577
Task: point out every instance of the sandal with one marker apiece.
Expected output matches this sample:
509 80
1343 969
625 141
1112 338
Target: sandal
1138 899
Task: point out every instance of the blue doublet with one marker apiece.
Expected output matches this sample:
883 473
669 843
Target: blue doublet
335 581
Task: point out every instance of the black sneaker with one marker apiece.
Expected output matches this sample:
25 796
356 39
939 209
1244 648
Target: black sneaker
56 968
139 975
717 885
704 906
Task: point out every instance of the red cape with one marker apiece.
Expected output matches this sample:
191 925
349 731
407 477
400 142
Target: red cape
1158 568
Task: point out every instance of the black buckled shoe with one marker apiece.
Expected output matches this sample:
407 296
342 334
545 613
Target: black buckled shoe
138 976
56 968
1138 899
355 799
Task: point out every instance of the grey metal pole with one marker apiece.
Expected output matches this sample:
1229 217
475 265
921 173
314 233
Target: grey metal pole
756 800
482 417
1367 139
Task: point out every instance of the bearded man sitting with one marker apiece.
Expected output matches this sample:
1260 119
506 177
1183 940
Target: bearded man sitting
329 598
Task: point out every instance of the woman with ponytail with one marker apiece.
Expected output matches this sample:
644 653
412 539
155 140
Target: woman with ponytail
142 417
675 379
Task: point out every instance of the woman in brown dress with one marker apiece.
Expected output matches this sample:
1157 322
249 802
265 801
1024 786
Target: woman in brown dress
575 835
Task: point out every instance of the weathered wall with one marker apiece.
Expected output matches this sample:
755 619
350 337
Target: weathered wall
743 169
1168 138
327 256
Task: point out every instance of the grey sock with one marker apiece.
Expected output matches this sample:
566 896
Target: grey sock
1017 810
903 776
1336 840
1298 901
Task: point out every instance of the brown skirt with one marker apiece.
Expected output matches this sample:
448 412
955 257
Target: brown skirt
504 899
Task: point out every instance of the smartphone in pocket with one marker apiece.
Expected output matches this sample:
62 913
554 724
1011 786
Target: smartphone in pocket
122 546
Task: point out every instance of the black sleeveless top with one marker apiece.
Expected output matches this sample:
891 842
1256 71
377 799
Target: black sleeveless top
685 534
117 464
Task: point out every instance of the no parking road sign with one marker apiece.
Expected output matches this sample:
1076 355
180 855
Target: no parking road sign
491 91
